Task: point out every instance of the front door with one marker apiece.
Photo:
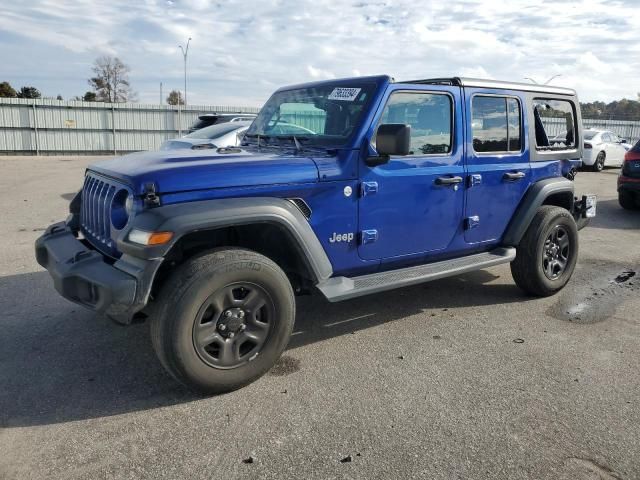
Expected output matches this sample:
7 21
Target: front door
413 204
497 163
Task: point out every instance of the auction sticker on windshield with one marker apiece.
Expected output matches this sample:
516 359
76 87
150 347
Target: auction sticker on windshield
346 94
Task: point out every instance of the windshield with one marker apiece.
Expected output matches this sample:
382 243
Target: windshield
324 115
589 135
218 130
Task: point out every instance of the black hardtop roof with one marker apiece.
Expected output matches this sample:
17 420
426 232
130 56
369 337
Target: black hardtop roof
501 85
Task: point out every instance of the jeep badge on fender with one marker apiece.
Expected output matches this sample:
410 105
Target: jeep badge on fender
344 237
215 260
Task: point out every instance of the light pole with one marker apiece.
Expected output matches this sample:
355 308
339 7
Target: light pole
185 52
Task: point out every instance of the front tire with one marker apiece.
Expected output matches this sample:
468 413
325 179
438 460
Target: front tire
548 252
223 320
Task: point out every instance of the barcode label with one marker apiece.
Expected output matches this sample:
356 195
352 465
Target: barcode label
345 94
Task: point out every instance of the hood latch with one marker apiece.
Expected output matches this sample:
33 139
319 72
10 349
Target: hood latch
150 196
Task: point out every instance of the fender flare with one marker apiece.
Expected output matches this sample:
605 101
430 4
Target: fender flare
534 199
185 218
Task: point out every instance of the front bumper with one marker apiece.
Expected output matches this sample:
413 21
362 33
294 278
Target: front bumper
85 276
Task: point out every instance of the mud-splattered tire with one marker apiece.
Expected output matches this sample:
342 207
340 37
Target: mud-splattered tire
223 319
548 252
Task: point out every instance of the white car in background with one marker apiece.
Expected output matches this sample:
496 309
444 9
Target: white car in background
603 148
220 135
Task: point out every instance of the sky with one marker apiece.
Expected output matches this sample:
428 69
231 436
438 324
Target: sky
241 51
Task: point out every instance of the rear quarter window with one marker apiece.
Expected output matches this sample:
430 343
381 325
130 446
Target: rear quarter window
555 124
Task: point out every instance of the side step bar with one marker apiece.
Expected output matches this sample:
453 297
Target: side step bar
343 288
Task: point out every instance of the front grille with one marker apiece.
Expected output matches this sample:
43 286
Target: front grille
95 214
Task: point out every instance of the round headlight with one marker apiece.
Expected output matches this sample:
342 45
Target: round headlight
119 211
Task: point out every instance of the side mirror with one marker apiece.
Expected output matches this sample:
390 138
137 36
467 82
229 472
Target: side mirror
391 139
623 140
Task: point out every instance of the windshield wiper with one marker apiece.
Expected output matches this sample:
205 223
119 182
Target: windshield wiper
259 137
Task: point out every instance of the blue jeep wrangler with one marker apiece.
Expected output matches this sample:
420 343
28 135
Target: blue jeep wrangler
352 187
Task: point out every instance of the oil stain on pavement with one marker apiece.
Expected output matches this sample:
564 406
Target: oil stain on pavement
595 292
285 366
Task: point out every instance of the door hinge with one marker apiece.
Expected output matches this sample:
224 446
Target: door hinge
368 188
368 236
471 222
475 179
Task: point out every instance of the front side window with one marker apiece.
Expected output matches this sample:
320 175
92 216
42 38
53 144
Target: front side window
496 124
554 124
428 114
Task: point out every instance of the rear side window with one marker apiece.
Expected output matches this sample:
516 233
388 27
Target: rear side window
429 115
555 124
636 147
496 124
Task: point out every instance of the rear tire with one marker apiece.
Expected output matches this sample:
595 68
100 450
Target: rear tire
548 252
598 165
628 201
223 319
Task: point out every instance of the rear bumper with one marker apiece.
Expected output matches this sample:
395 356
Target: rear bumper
628 184
589 156
86 277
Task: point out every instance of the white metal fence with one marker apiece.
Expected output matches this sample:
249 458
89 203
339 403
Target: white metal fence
66 127
43 126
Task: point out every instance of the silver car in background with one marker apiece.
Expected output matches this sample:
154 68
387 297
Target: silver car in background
227 134
602 147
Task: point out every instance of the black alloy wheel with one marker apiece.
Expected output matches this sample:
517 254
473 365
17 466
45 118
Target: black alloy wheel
233 325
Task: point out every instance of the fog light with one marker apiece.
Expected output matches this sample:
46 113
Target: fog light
149 238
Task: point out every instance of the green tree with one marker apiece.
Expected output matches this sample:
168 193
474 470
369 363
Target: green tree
6 90
59 97
29 92
90 97
617 110
175 98
111 80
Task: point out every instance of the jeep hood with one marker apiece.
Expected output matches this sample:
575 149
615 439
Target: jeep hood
176 171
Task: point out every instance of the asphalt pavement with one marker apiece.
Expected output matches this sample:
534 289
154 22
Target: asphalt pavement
460 378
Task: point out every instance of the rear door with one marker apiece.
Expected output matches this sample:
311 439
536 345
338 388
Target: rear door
497 162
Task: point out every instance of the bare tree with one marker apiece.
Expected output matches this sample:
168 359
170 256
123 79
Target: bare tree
111 80
175 98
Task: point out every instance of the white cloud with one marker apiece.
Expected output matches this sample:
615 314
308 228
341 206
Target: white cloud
244 49
318 73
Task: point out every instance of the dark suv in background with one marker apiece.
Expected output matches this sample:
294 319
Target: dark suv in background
208 119
629 180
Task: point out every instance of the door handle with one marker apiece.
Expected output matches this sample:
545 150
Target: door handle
447 181
513 176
